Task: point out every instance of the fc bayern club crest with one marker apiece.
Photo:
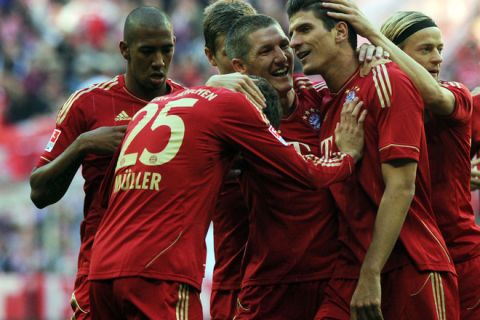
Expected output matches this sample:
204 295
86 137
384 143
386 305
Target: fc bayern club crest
312 116
351 94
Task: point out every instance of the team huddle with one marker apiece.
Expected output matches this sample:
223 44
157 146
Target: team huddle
347 198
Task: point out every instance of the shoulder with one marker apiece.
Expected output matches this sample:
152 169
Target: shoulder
175 86
456 87
388 83
82 98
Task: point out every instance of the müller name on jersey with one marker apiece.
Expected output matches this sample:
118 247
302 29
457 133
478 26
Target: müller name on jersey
142 180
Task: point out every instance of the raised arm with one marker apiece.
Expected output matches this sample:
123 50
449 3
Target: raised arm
436 98
49 182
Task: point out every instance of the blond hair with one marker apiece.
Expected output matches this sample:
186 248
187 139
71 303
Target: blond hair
403 24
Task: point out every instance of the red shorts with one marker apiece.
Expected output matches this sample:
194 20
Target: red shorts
223 304
469 288
281 302
144 298
406 294
80 300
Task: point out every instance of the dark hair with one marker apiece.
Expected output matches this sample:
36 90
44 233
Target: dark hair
236 42
219 16
272 110
295 6
144 17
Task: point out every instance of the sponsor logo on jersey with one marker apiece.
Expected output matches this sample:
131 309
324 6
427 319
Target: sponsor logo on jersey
53 140
312 116
123 116
276 135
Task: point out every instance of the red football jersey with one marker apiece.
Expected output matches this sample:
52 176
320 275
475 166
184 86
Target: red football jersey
393 130
293 231
448 140
230 218
104 104
475 126
169 172
230 234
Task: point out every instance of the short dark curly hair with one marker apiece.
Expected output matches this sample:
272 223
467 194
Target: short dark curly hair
295 6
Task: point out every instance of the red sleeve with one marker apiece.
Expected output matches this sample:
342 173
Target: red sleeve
399 114
240 123
70 123
475 126
463 103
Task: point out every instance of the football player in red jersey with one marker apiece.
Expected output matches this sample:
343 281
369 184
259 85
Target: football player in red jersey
92 122
172 162
230 217
415 43
277 279
388 199
475 148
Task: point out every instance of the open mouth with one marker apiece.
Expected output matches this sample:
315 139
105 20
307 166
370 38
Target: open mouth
282 72
301 55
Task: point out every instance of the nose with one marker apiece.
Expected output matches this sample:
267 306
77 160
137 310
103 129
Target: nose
158 60
437 57
280 55
295 42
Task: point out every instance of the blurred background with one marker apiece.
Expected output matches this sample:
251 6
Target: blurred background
50 48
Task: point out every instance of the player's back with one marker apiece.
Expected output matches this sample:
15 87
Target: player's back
167 177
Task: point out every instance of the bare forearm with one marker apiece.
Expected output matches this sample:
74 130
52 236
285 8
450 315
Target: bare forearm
390 218
50 182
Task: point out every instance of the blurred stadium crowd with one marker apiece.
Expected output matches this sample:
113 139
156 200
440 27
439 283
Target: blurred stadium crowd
49 48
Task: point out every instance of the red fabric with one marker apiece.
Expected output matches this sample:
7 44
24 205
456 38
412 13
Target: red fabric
469 288
159 213
85 110
230 232
475 126
230 218
80 301
418 297
277 252
448 140
223 304
393 130
140 298
281 302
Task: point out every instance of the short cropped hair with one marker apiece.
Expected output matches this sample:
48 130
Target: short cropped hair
295 6
219 16
236 42
144 17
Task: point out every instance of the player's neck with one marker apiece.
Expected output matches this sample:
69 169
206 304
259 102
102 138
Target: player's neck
287 102
144 93
339 71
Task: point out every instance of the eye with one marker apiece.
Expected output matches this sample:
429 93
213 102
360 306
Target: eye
167 50
304 29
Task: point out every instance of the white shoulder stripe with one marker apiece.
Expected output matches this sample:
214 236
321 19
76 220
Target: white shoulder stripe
383 86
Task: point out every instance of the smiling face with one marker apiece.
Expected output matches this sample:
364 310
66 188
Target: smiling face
313 44
269 57
149 56
425 47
